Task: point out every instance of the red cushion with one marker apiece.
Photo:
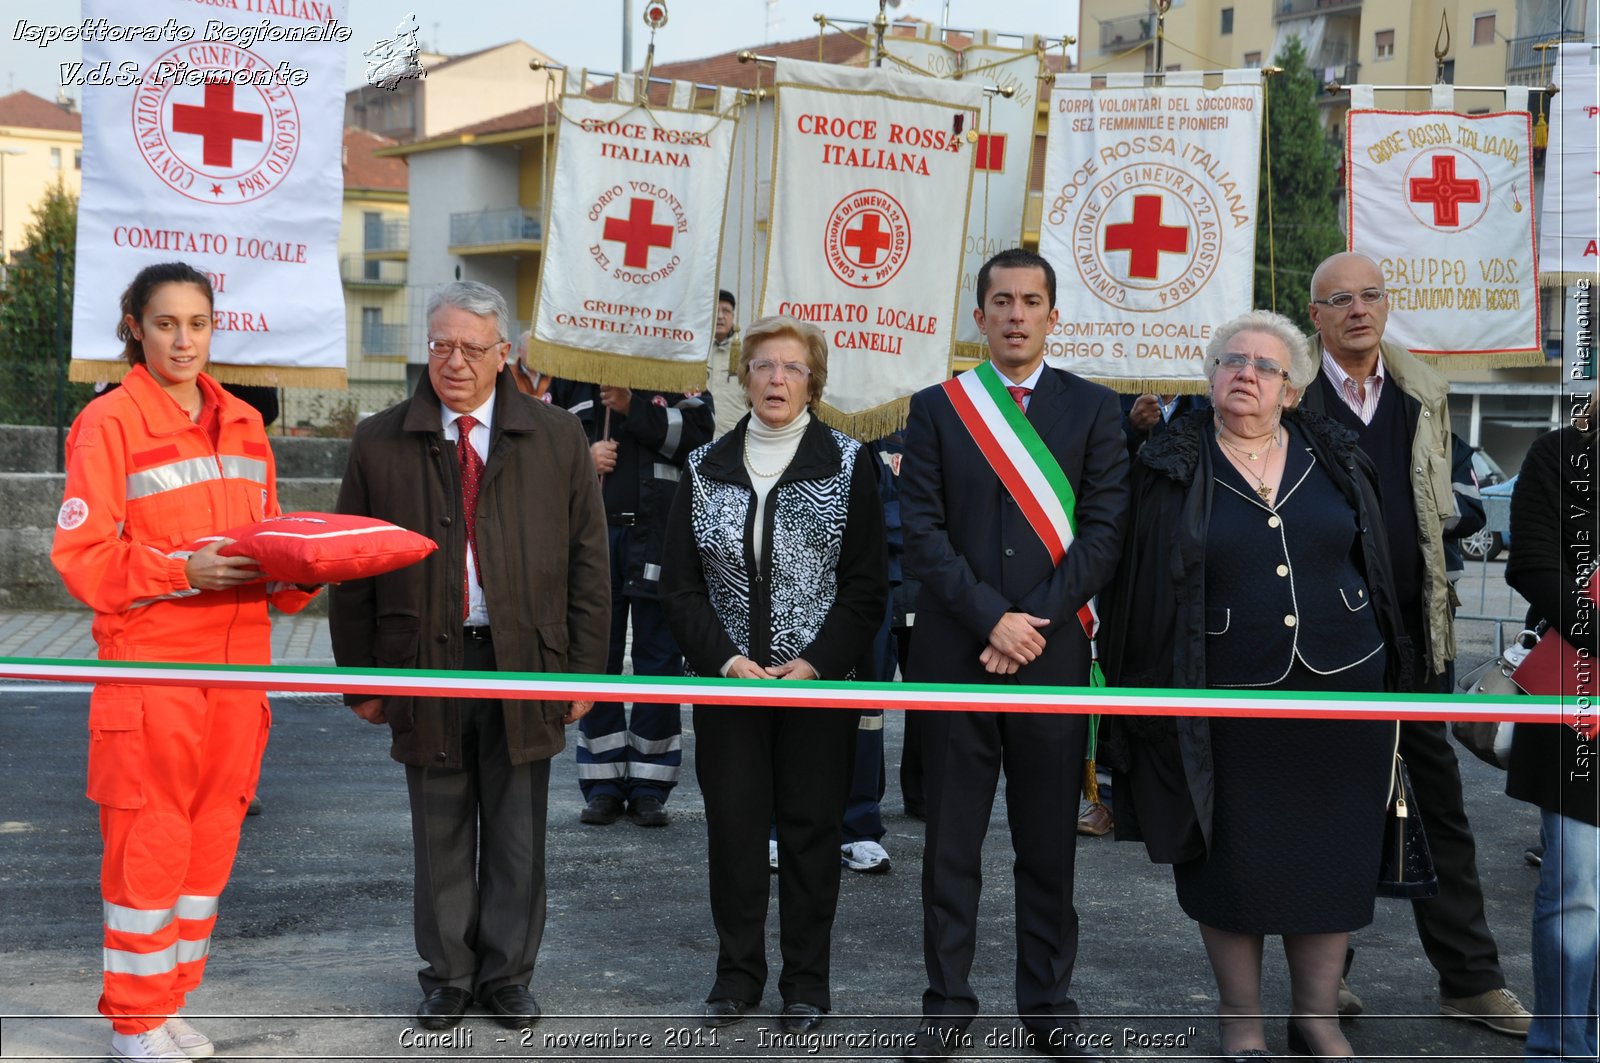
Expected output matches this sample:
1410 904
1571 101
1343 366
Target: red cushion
324 547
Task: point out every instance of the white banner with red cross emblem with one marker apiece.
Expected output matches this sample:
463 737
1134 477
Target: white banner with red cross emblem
628 287
1569 229
213 137
871 172
1443 202
1149 218
1002 154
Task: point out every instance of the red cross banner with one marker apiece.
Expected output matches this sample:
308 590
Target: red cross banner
627 293
1002 154
1443 202
870 174
213 136
1569 228
1149 218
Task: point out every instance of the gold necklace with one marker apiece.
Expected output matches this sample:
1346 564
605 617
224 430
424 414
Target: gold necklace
1248 457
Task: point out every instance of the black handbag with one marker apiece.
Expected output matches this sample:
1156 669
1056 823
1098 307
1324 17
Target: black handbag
1405 869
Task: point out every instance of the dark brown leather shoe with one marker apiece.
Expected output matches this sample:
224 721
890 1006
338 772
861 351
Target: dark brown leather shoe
443 1008
1096 821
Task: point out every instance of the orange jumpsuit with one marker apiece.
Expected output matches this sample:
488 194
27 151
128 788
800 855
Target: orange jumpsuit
172 768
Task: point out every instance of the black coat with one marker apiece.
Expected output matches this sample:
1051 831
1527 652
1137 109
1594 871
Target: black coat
1154 618
1553 532
975 552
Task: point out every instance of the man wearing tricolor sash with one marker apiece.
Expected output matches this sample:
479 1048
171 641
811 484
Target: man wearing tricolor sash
1014 499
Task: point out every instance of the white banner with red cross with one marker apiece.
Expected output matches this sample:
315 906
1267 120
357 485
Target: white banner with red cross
1569 230
871 172
213 136
1002 154
1443 202
628 286
1149 219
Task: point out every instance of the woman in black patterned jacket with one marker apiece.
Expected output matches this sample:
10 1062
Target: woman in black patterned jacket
775 570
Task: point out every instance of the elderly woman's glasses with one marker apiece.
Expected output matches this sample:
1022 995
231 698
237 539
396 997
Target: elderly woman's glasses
472 352
1345 300
766 367
1235 363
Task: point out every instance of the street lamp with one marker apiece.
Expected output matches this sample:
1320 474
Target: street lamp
5 251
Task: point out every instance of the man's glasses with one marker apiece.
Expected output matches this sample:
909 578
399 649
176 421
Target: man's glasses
472 352
1345 300
766 367
1235 363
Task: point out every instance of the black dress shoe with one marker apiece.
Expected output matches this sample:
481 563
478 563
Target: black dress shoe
602 810
647 812
798 1018
724 1011
935 1042
512 1006
443 1008
1299 1046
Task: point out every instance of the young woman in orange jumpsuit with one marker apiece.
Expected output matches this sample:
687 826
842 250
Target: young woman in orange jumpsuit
153 466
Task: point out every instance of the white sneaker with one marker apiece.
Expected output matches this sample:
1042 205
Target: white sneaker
192 1042
869 858
772 853
144 1047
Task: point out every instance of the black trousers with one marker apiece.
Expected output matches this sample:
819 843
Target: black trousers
1453 928
478 834
963 754
758 766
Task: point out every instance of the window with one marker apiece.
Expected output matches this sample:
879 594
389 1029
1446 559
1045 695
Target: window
1483 29
77 160
372 229
1227 21
372 331
1447 72
55 158
1252 60
1383 44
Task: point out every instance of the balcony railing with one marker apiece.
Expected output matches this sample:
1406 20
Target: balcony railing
493 227
1523 55
371 272
1120 34
1286 9
1343 73
393 235
383 339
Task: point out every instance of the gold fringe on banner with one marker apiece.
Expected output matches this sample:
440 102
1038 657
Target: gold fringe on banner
94 371
1508 360
1566 279
617 370
969 353
734 347
867 425
1153 385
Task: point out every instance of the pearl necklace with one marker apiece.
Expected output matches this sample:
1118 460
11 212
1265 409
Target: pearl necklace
748 464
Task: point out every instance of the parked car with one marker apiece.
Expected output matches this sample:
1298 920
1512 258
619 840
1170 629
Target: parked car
1486 469
1494 537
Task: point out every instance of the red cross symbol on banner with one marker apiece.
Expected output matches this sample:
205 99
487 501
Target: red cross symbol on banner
217 123
638 233
991 153
1445 191
868 238
1146 238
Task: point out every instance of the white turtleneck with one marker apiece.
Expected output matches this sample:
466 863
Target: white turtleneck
767 453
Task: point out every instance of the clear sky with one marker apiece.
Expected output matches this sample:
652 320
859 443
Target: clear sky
694 28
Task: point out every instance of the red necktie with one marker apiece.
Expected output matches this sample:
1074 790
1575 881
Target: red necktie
471 477
1019 394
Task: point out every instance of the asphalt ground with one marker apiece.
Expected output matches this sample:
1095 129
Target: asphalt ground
313 958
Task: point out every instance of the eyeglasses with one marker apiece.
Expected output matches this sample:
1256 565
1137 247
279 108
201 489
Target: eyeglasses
766 367
1345 300
472 352
1235 363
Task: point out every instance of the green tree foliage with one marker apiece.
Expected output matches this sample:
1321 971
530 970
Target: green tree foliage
1304 184
29 363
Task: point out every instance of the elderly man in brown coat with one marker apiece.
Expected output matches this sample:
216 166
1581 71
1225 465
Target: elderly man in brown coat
520 583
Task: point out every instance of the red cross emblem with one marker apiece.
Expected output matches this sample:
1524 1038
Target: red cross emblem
867 238
1445 191
217 123
638 233
990 156
1146 238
